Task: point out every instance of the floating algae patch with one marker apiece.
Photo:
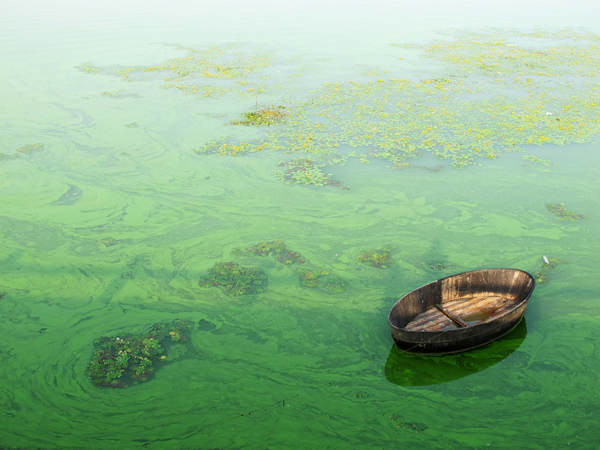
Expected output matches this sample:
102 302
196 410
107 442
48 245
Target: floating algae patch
88 67
234 279
227 148
206 325
30 148
206 72
109 241
305 171
559 210
323 280
120 94
72 195
122 361
279 250
417 427
540 163
547 266
520 54
4 156
263 117
496 93
379 258
435 266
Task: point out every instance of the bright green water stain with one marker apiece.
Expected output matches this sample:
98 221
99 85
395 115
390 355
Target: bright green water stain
110 228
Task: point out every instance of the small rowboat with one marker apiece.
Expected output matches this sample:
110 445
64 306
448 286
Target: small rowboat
461 312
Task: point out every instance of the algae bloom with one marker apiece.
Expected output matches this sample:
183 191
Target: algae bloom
123 361
379 258
234 279
278 249
263 117
559 210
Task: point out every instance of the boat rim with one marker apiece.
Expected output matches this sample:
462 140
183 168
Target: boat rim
515 306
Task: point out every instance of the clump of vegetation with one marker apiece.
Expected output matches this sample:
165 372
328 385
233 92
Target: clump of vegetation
123 361
278 249
226 149
535 160
206 325
200 71
234 279
263 117
119 94
411 426
379 258
88 67
322 279
132 125
548 265
400 119
30 148
109 242
305 171
559 210
436 266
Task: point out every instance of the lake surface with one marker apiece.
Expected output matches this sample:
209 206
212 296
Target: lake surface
448 139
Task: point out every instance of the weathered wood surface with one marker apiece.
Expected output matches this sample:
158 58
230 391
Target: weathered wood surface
469 310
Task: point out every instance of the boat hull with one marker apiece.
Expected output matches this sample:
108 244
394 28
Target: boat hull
515 285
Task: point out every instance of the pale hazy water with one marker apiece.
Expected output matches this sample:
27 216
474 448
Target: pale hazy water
292 367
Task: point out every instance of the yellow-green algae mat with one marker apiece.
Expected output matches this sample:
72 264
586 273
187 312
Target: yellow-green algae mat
108 235
494 94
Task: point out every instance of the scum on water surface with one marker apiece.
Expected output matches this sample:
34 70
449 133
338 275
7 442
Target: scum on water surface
488 93
494 95
206 72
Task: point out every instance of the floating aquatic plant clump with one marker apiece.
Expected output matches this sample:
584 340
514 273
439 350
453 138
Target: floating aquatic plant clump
30 148
263 117
537 161
88 67
278 249
379 258
559 210
398 420
234 279
547 266
495 94
492 93
227 149
521 54
435 266
206 72
123 361
305 171
323 280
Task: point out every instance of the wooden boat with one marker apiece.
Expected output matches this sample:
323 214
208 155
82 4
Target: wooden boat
461 312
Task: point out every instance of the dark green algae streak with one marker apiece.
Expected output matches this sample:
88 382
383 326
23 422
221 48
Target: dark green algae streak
290 363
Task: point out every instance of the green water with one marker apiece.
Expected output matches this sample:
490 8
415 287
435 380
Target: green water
108 228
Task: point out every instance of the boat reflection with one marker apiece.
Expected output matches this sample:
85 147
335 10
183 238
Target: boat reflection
408 369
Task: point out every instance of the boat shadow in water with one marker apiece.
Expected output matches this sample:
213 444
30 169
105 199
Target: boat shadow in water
410 369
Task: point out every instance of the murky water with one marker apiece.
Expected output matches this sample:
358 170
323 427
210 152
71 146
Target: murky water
117 198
